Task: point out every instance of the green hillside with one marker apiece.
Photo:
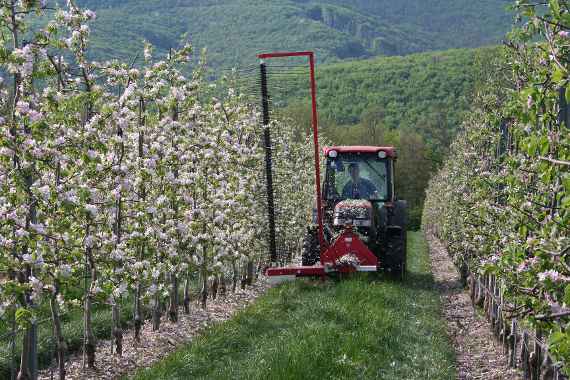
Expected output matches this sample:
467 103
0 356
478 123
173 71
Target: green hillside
235 30
427 93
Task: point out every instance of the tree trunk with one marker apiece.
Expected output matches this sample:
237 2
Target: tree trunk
215 285
156 310
117 330
243 281
223 289
24 373
138 320
173 304
258 270
89 337
235 277
187 294
204 292
89 347
250 274
60 342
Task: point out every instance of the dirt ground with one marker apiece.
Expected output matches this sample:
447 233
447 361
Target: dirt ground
479 355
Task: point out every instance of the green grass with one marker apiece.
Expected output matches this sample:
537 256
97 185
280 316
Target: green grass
359 328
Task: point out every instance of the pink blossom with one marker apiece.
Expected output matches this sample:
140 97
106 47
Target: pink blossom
22 107
551 275
21 233
90 14
35 116
44 191
92 209
91 154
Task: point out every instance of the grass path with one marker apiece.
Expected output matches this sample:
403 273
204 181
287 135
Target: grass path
366 327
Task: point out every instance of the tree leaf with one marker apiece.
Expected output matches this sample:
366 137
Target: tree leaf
555 6
558 75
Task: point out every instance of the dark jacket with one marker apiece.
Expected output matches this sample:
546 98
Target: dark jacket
364 189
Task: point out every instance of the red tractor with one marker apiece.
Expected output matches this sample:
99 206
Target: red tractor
358 223
358 195
361 226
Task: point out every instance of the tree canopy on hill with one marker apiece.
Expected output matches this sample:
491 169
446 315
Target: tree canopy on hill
235 30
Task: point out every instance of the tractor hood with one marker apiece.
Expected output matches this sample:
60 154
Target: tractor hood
354 212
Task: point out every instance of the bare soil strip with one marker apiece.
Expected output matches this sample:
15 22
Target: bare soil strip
479 354
157 345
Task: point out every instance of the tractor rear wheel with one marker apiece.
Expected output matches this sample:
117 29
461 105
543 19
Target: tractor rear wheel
398 239
396 252
311 253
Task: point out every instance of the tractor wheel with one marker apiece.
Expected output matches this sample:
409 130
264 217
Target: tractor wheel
311 253
398 239
396 257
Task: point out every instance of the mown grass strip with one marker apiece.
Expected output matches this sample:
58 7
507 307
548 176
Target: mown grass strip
363 327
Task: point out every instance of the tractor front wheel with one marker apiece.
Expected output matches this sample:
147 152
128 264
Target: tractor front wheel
311 253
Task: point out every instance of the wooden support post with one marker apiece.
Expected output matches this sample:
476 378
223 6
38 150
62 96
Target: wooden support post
513 344
525 355
547 368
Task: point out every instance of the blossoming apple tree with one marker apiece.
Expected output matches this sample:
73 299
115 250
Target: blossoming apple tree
123 179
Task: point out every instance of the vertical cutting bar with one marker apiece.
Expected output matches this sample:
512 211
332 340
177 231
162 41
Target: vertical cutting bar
268 163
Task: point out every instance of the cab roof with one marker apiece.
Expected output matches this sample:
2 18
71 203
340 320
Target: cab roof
390 150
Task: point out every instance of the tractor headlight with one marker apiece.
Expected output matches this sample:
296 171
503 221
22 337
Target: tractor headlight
382 154
333 154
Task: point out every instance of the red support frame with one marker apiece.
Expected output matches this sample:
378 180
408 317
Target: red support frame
315 123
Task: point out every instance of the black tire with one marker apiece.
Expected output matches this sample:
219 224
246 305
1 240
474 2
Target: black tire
398 239
311 253
395 259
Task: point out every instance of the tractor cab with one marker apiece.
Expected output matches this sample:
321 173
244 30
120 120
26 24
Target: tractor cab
359 172
358 185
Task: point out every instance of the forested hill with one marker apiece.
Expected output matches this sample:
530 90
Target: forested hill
235 30
427 93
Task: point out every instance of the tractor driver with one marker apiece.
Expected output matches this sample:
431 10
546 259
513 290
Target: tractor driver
357 187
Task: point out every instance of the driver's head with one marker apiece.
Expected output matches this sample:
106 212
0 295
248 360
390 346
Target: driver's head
354 171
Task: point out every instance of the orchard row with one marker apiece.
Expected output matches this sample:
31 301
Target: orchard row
502 200
133 176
